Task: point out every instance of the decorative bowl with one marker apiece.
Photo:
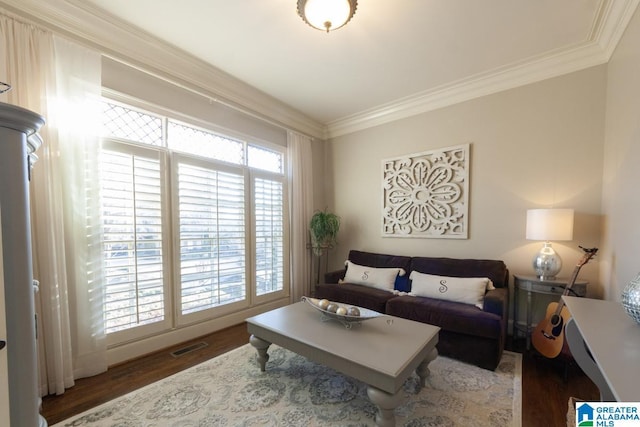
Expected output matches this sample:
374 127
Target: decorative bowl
345 319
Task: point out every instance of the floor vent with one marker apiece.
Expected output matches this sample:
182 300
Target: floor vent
189 349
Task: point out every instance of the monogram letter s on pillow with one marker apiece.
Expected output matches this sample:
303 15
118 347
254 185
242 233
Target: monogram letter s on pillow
443 286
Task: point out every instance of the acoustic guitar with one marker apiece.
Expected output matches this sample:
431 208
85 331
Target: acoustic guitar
548 335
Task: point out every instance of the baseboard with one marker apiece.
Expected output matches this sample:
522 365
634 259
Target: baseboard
132 350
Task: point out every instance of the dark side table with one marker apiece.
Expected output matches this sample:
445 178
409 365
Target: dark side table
534 285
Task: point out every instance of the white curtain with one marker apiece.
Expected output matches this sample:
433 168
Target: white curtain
301 207
61 81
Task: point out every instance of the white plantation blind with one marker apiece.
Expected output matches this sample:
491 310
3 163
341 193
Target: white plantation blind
211 206
269 235
132 236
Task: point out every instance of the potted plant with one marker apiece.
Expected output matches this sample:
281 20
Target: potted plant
324 228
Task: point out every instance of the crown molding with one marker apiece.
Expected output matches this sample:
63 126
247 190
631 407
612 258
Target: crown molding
615 16
94 27
494 81
608 27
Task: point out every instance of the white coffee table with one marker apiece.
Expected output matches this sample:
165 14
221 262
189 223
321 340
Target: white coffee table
381 352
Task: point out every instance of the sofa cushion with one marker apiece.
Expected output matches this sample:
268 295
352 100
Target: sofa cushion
380 278
358 295
371 259
450 316
493 269
467 290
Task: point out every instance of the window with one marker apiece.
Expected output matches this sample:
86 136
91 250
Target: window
188 139
269 231
194 222
132 235
212 237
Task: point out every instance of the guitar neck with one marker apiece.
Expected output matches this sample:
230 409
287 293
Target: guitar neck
588 254
572 280
567 288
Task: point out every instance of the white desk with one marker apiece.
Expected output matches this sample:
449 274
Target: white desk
605 342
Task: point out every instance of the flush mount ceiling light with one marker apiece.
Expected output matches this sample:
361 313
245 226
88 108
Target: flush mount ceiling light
327 15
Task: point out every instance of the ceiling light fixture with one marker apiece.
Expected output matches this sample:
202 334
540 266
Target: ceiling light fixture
327 15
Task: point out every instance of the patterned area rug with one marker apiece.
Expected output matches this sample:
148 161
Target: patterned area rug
230 391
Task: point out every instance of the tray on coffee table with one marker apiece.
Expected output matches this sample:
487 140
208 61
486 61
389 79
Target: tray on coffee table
347 320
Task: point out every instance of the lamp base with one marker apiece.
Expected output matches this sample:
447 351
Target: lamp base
547 263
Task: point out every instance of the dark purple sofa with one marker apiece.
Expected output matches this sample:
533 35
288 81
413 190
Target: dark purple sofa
468 333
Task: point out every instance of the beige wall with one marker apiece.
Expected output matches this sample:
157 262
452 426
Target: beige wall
539 145
140 85
621 196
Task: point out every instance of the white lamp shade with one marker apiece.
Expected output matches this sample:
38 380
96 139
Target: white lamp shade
550 224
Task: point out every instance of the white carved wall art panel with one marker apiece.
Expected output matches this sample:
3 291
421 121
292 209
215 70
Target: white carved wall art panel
427 194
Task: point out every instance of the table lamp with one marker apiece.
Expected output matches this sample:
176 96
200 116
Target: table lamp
547 225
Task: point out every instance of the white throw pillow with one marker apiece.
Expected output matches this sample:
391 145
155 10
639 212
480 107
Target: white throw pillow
467 290
381 278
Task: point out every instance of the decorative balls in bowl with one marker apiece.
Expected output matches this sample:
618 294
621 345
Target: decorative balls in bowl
344 312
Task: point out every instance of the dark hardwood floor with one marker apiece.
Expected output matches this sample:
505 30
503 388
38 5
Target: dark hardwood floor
547 386
545 391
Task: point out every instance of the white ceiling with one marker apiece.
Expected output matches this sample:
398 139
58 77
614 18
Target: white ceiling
394 54
390 50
